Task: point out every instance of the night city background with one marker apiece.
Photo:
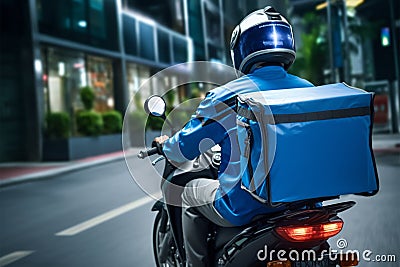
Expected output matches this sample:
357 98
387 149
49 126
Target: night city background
70 68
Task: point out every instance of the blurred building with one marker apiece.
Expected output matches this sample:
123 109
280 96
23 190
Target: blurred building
50 49
364 49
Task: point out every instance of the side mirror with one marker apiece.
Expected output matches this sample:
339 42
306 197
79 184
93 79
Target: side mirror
155 106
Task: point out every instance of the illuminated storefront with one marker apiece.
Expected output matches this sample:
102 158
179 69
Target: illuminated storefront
54 48
100 78
65 72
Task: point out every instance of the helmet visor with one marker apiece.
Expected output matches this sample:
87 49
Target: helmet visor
266 36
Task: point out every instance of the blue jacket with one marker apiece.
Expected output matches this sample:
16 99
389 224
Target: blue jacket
215 123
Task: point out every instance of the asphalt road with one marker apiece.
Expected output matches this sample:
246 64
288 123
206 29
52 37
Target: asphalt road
36 219
373 223
33 213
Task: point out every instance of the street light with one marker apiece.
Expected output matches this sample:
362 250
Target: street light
349 3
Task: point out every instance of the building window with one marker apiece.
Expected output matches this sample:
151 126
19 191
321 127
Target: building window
148 41
66 72
146 33
130 35
168 13
101 80
180 49
97 19
78 17
137 75
212 22
91 22
164 46
64 75
213 38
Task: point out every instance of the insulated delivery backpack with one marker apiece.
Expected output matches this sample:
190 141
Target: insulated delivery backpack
306 143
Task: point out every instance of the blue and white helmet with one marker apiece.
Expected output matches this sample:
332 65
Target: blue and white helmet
264 36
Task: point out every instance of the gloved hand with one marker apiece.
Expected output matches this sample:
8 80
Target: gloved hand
158 142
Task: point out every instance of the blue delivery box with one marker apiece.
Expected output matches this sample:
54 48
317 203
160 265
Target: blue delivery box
306 143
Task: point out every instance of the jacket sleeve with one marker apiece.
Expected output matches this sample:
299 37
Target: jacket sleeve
202 132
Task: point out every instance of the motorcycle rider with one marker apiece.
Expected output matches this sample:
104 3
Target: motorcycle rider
262 47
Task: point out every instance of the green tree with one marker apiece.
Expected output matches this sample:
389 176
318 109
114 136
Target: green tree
112 122
89 123
312 57
58 125
87 97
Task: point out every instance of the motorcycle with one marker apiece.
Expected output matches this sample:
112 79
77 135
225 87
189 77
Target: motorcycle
271 240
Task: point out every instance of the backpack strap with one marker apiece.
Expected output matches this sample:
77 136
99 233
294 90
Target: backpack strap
305 117
246 113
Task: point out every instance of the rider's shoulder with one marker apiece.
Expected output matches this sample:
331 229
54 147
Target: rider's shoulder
302 82
229 89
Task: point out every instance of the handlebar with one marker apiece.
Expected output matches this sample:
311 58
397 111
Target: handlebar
147 153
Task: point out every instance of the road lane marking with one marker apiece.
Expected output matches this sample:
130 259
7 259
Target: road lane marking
104 217
14 256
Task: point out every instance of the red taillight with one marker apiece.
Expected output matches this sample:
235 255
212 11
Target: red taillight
310 232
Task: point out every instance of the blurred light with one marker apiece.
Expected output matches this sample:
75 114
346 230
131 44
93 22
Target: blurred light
83 78
216 60
385 37
349 3
320 40
190 49
82 23
354 3
61 68
351 12
45 78
275 37
110 102
38 65
321 6
141 18
178 11
79 65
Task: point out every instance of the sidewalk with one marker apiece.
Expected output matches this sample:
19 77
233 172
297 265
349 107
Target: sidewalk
13 173
382 143
18 172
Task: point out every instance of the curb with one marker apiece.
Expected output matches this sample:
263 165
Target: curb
48 174
387 150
